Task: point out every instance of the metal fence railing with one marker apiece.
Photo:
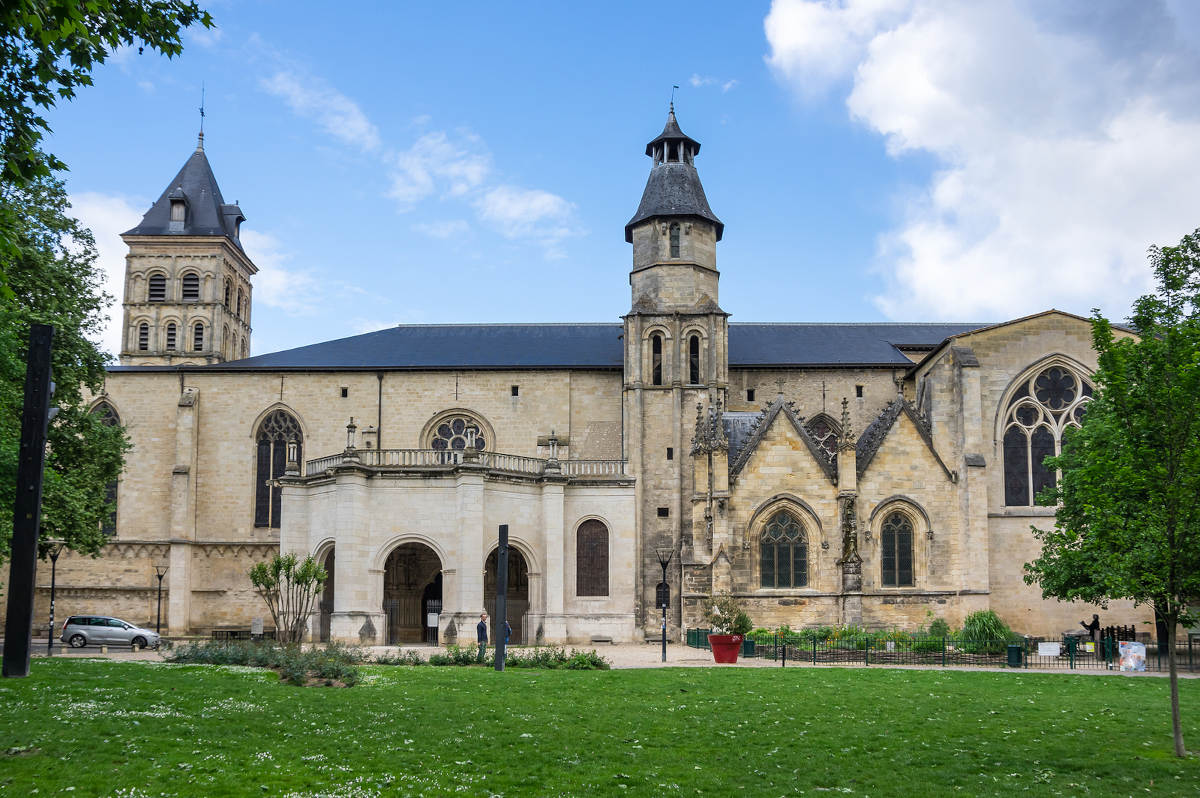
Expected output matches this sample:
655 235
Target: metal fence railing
1068 653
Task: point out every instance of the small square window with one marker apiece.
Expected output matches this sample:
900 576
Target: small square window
345 392
516 390
670 453
858 391
749 394
664 512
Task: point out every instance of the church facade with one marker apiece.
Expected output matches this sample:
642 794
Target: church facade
876 474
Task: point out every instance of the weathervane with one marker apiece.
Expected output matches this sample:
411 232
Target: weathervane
201 108
673 88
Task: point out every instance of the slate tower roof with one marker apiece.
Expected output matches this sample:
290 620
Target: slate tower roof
673 188
205 210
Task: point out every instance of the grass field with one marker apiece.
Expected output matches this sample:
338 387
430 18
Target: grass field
140 729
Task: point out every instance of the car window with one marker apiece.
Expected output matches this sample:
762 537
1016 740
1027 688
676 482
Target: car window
97 622
116 623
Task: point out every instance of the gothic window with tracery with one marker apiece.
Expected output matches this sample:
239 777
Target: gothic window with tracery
276 431
896 555
784 552
109 418
1041 408
591 559
457 433
825 432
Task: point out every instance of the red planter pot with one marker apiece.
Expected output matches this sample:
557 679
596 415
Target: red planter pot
725 648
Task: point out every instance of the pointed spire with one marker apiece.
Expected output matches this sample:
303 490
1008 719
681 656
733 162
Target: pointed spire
200 142
673 188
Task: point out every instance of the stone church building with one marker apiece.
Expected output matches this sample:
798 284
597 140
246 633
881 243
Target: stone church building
874 474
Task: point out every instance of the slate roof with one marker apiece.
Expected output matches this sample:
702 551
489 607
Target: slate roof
207 212
673 188
594 346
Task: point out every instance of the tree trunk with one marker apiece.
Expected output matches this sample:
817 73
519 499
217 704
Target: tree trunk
1176 725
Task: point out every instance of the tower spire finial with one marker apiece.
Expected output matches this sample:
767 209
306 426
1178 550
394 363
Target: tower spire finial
200 141
672 107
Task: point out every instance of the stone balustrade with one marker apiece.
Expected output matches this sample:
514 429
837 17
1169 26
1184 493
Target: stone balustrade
435 459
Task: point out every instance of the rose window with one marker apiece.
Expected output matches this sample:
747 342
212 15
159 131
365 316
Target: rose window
458 433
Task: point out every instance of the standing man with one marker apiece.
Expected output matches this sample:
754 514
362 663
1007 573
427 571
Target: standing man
481 634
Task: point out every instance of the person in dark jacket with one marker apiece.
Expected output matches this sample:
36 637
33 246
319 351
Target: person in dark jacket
507 632
481 634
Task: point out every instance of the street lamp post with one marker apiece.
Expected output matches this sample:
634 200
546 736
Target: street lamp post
53 549
160 571
663 594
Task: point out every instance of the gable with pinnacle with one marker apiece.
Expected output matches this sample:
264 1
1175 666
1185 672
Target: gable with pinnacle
877 431
827 463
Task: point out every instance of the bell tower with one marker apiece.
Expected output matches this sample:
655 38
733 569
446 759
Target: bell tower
187 279
676 355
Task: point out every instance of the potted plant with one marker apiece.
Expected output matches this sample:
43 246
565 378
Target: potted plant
729 623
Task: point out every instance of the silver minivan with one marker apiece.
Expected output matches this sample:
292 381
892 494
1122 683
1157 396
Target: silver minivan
100 630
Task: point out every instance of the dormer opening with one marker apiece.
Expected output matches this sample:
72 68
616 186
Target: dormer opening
178 211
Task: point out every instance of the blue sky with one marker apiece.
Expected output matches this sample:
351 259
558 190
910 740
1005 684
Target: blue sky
871 159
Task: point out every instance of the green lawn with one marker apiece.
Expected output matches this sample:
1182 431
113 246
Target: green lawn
142 729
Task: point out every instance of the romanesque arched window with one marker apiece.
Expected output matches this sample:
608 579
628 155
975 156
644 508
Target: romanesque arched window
198 337
171 336
277 430
591 559
896 551
784 552
455 433
694 360
228 292
143 337
674 239
656 359
191 287
1042 406
156 288
109 418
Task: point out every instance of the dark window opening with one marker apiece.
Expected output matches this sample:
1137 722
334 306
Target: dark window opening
783 553
670 453
345 392
664 512
749 394
171 337
694 360
858 391
157 289
198 337
143 337
674 238
191 288
516 390
656 358
277 430
591 559
228 292
896 556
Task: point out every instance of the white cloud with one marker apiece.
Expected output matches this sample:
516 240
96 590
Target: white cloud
449 228
1067 137
336 113
277 285
435 163
107 217
699 81
528 213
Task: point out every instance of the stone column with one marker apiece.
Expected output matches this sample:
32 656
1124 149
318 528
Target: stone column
463 605
182 532
355 618
554 546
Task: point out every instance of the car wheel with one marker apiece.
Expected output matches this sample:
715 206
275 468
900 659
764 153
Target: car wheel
139 643
77 641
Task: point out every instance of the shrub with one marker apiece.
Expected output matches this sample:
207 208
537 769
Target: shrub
409 657
334 662
725 615
939 628
984 632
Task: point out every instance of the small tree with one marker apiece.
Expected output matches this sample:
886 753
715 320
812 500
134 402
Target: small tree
289 587
726 616
1128 524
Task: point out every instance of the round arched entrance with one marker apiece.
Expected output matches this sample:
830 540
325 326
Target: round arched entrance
518 594
325 605
412 589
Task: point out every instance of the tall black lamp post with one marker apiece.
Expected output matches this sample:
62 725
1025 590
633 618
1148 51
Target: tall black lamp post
663 593
160 571
53 549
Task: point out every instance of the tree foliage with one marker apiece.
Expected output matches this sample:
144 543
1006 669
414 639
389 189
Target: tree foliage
289 587
1128 524
55 281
